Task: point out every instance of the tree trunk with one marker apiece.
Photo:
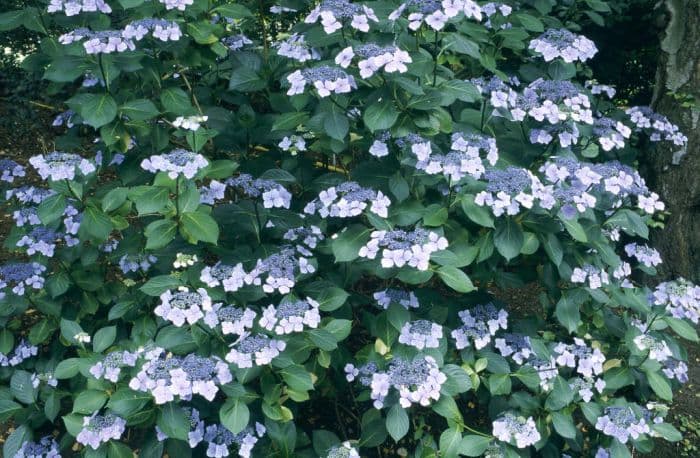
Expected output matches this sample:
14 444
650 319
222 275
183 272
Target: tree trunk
674 172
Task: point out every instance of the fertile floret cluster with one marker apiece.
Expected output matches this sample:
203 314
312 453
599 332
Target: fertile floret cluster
400 248
520 430
177 162
347 200
98 429
165 376
561 43
291 316
334 14
417 381
255 349
479 324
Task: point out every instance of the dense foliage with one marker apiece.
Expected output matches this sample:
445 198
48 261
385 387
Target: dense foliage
289 236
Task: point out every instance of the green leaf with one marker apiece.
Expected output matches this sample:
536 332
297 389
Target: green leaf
297 378
660 385
574 228
509 238
15 440
682 328
89 401
450 443
323 339
158 285
397 422
335 122
245 79
461 44
173 421
561 396
139 110
560 70
499 384
380 115
290 121
473 445
104 338
95 109
68 368
458 380
530 23
8 408
461 90
346 247
339 328
456 279
553 248
399 187
567 310
480 215
69 329
22 388
667 431
234 414
160 233
331 298
176 101
149 199
114 199
234 11
96 224
564 425
198 226
51 208
8 21
125 402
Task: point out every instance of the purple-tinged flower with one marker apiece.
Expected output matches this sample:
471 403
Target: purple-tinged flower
176 4
274 195
279 270
562 43
595 277
673 368
511 428
347 200
23 351
9 170
98 42
29 194
622 423
405 298
418 381
183 305
373 58
479 324
166 377
136 262
421 334
47 447
290 317
644 254
175 163
220 441
233 320
658 349
236 42
255 349
400 248
75 7
161 29
21 275
680 297
295 47
334 14
656 126
517 346
57 165
100 428
196 433
231 278
586 360
43 240
344 450
110 367
326 80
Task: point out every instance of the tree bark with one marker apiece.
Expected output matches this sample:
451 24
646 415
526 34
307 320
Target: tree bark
674 172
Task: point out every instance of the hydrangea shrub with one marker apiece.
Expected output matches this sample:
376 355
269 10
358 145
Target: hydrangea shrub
285 229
